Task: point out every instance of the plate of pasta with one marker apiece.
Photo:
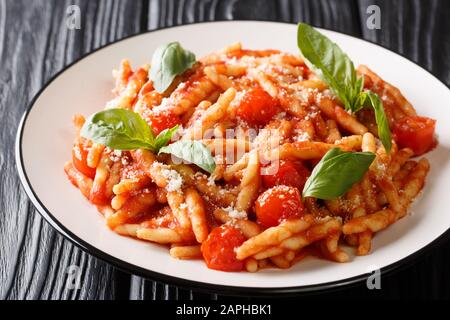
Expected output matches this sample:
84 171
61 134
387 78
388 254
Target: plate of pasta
242 157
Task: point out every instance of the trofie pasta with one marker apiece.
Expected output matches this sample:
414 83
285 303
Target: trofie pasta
244 177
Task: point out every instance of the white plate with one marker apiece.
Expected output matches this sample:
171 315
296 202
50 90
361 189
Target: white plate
46 134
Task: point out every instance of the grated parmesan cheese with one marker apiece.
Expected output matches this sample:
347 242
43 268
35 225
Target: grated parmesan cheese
211 181
115 155
280 116
174 180
183 206
302 136
77 152
235 214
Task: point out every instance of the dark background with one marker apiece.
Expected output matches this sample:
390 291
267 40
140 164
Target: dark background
35 44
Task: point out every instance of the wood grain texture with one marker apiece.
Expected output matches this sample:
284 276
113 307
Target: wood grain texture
35 44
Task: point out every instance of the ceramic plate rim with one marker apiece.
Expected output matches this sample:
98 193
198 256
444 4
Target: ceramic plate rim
191 284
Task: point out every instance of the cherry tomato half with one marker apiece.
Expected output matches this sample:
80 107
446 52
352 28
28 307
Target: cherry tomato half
257 107
415 132
79 158
218 249
162 119
286 172
277 204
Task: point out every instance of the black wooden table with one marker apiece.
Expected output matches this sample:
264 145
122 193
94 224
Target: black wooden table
35 43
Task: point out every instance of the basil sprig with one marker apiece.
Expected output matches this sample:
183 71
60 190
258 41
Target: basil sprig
123 129
168 61
336 173
336 69
329 62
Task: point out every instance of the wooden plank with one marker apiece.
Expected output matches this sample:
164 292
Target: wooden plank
339 16
416 29
419 31
34 44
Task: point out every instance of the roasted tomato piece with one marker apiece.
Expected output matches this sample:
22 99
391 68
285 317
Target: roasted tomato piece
415 132
277 204
257 107
219 249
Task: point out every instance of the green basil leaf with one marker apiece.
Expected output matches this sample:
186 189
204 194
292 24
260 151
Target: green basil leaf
384 132
360 99
192 151
119 129
329 62
336 173
164 137
331 154
359 85
168 61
